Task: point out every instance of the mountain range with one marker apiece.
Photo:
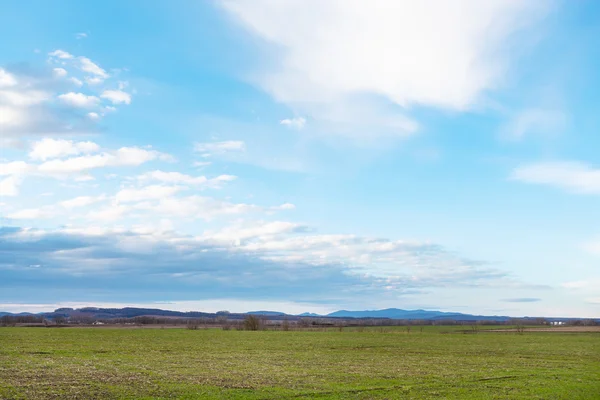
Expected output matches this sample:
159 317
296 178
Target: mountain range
388 313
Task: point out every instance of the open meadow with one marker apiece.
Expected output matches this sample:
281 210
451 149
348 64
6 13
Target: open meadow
107 363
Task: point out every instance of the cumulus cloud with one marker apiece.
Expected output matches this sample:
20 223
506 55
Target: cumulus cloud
62 159
31 213
182 265
81 201
10 186
56 148
178 177
296 123
87 65
6 79
198 207
93 80
429 53
254 229
59 72
571 176
79 100
116 96
146 193
24 97
76 82
219 147
61 54
125 156
14 168
46 102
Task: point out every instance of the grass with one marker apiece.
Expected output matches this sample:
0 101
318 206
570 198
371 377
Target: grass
105 363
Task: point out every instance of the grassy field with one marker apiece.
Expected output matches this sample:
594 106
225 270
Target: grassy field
105 363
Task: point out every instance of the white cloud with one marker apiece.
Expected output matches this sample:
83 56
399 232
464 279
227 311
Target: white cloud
81 201
76 82
24 97
61 54
93 80
592 283
31 213
177 177
333 52
55 148
10 186
249 230
93 116
9 142
14 168
59 72
81 35
198 207
6 79
79 100
286 206
219 147
571 176
87 65
296 123
111 213
116 96
136 156
534 121
125 156
152 192
592 247
11 116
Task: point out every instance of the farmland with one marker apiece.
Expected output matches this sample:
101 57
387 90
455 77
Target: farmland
107 363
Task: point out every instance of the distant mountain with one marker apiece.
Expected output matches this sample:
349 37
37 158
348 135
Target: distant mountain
396 313
267 313
388 313
15 315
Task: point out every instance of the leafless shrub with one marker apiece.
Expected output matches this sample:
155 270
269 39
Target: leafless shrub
192 325
285 325
252 323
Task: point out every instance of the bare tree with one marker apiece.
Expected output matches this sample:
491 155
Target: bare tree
252 323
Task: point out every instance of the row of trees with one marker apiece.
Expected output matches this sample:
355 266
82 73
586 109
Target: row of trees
257 322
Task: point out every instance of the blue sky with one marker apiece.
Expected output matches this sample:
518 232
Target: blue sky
301 155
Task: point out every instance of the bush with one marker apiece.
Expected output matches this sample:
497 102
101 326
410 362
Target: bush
252 323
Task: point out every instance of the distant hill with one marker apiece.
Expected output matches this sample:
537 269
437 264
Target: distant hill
309 314
267 313
396 313
15 315
97 313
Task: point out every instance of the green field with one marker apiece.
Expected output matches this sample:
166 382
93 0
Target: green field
105 363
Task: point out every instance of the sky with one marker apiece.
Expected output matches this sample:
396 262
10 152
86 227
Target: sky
301 156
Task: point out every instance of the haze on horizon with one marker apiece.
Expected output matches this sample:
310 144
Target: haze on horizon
301 156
